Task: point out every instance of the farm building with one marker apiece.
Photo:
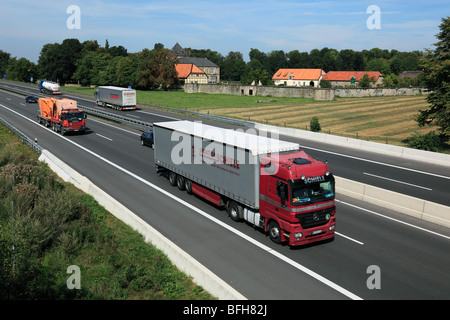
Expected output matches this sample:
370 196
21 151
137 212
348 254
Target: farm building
211 69
298 77
190 73
351 78
409 74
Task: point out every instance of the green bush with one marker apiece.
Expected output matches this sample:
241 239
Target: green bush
429 141
325 84
315 125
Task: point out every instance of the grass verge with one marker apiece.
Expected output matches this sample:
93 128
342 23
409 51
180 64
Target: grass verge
47 225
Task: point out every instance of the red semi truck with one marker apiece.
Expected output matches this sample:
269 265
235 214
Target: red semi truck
62 115
269 183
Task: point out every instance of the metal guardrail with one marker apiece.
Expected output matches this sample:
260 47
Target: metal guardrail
142 125
136 124
22 137
236 122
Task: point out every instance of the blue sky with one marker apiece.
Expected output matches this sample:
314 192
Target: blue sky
223 26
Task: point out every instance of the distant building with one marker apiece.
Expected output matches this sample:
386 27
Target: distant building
409 74
190 73
179 51
351 78
211 69
298 77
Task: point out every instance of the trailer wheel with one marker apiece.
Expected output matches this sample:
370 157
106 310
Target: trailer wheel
274 232
235 211
188 186
181 182
172 178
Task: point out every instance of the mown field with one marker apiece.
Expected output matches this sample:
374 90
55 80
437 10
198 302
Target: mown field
381 119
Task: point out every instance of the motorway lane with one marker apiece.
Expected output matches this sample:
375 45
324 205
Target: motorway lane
209 243
417 179
257 276
422 180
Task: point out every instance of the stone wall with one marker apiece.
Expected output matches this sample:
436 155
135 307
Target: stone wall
299 92
378 92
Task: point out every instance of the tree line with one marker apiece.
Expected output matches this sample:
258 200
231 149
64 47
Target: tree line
89 63
262 66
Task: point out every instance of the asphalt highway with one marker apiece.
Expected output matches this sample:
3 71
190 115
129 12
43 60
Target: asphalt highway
411 256
428 181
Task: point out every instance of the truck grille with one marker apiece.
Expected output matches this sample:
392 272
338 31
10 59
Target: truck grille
314 219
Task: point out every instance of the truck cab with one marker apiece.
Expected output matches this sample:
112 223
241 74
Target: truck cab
297 197
71 121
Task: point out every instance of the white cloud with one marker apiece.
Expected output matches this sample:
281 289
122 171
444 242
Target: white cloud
231 25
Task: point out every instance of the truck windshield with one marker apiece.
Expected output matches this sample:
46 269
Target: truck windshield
74 116
311 193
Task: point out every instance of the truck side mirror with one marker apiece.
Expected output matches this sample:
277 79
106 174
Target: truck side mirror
282 192
270 168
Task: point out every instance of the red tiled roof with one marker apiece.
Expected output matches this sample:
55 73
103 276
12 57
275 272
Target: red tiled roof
185 69
298 74
347 75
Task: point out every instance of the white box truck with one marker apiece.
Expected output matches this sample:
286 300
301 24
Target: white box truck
116 97
269 183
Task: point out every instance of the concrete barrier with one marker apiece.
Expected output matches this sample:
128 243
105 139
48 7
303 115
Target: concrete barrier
388 149
416 207
419 208
64 171
184 262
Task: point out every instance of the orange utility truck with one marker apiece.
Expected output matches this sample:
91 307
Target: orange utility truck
62 115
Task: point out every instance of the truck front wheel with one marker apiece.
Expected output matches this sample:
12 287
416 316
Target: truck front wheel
235 211
274 232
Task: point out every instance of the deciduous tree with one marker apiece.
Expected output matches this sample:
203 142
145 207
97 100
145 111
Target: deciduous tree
156 69
436 66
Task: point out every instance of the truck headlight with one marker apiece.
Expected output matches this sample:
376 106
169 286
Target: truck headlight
298 235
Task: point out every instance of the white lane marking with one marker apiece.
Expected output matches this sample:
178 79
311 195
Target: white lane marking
115 127
393 219
330 152
78 97
409 184
155 114
204 214
8 99
104 137
22 104
379 163
347 237
131 115
159 115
